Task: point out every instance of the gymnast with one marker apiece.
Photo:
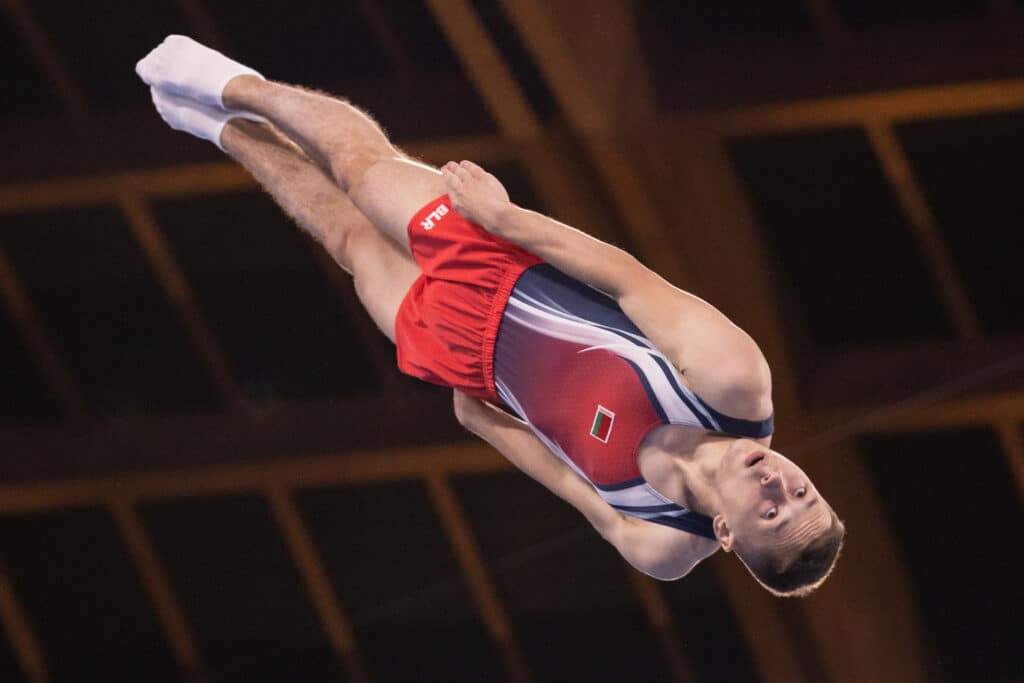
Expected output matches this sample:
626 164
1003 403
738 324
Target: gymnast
639 404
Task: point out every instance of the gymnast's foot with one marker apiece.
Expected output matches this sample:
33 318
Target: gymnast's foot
180 66
192 117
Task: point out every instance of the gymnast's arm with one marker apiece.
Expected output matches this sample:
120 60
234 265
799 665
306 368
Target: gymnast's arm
481 198
657 550
719 360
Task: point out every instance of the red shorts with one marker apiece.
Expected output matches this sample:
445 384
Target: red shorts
446 325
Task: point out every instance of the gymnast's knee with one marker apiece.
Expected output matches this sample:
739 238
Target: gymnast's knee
350 162
345 245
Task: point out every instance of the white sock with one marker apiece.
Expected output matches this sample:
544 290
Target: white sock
192 117
181 66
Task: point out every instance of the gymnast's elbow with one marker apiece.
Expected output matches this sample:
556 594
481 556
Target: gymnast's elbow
743 385
660 552
665 571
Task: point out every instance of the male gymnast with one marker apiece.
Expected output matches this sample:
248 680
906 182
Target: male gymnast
641 405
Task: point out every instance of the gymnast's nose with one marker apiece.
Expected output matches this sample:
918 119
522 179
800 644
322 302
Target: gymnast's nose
771 479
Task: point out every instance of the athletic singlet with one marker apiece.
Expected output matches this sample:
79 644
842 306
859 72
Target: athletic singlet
571 364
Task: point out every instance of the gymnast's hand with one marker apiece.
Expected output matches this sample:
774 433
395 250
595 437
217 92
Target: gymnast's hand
475 193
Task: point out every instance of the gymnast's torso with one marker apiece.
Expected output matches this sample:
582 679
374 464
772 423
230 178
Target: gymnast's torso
571 364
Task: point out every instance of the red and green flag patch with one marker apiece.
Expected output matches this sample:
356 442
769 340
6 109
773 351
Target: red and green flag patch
602 427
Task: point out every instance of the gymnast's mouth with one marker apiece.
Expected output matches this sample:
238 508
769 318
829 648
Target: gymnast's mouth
753 459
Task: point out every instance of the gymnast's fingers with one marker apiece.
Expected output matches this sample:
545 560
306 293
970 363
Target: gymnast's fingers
471 167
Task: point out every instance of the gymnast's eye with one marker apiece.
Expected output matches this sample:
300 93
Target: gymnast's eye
771 513
800 492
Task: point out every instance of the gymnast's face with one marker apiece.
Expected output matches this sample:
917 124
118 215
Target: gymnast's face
768 504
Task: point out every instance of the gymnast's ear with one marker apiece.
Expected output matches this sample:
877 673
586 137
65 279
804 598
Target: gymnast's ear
723 533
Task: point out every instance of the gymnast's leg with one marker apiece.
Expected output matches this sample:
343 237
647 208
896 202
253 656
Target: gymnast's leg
386 186
382 270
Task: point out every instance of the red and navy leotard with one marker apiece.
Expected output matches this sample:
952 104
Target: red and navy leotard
571 364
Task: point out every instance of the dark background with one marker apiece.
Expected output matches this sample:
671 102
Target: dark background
209 469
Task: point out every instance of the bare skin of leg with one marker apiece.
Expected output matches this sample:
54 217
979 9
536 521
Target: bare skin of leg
382 270
387 186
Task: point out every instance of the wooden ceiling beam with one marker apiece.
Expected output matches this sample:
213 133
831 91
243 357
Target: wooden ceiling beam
881 376
173 181
23 642
848 110
714 241
467 553
203 178
486 68
398 54
564 193
145 558
865 618
337 628
549 167
1011 439
918 416
58 377
270 430
893 106
176 288
659 615
766 67
54 68
326 470
47 56
380 352
946 276
273 432
722 233
600 80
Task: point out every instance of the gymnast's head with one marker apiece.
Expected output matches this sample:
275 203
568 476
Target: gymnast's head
776 521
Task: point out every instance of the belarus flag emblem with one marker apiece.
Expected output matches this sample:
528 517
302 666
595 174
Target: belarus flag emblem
602 427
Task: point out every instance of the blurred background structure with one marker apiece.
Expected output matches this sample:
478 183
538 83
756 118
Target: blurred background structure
210 470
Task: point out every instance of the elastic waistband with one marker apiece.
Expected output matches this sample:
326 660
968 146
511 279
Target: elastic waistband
498 304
